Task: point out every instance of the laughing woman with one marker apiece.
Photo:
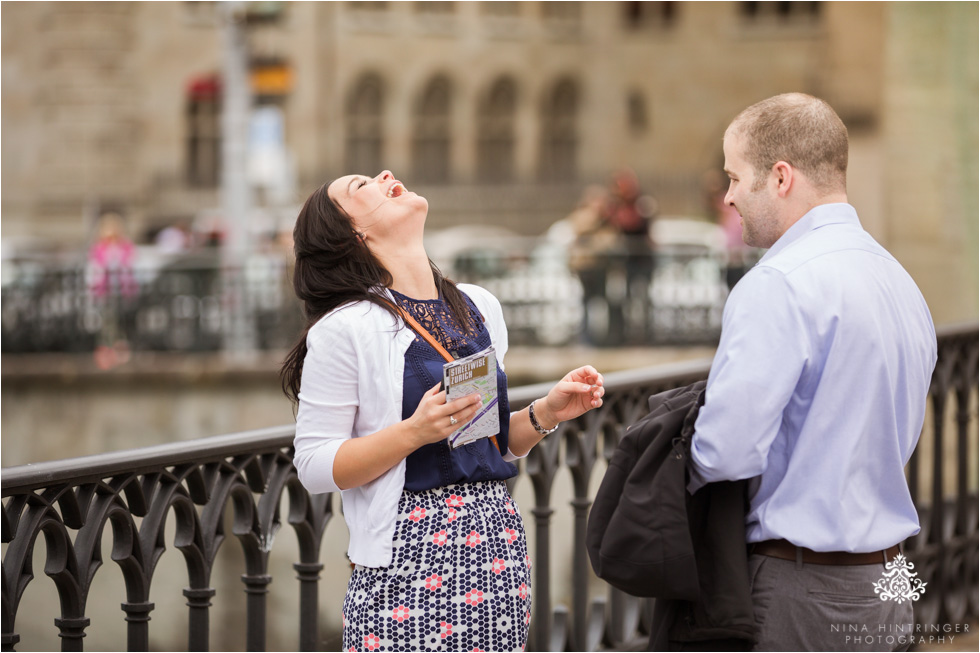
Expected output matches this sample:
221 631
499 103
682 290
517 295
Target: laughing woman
437 542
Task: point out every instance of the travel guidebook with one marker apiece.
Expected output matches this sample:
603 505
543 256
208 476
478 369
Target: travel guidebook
476 373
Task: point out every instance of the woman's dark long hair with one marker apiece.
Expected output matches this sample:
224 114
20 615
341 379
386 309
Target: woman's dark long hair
335 267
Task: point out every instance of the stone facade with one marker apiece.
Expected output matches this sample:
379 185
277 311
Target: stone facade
498 112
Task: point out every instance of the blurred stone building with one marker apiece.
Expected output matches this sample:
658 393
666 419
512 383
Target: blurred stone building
499 112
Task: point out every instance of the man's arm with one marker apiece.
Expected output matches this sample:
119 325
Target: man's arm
761 355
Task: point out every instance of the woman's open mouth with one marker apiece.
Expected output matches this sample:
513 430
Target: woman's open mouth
396 189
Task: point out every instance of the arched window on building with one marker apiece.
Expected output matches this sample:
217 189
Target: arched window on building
570 12
495 139
780 14
204 131
649 15
379 5
500 8
365 129
430 7
636 112
431 135
559 132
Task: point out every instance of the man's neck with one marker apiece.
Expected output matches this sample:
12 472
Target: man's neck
804 205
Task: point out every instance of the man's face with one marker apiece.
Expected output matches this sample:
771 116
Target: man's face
752 197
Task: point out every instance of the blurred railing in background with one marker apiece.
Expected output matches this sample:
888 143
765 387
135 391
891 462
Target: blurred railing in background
182 305
673 294
71 502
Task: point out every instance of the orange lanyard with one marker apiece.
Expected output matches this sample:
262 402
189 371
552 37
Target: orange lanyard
429 338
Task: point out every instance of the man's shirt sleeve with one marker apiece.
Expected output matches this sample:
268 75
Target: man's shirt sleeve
762 353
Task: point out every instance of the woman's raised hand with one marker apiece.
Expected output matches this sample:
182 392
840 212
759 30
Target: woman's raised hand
578 392
436 419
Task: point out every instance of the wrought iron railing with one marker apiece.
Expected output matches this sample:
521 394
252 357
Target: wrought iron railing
186 304
70 503
194 303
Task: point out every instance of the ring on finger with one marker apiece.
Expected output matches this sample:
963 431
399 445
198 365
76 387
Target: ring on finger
452 420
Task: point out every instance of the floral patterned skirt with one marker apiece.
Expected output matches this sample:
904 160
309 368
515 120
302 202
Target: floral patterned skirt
459 578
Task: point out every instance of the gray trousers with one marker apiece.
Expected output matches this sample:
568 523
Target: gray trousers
804 607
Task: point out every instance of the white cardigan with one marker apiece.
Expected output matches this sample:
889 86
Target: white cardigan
352 387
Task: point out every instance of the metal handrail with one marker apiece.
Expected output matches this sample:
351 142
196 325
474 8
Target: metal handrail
71 501
84 469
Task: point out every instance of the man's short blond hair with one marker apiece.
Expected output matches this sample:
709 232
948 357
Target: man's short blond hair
799 129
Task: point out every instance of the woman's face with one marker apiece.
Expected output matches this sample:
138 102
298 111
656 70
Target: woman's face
378 206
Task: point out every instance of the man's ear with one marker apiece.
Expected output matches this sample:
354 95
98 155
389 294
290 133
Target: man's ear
784 176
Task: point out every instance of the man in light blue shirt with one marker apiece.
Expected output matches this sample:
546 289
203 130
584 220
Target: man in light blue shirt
818 389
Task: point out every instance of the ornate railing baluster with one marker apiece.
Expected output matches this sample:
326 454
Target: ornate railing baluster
963 559
308 575
138 620
309 516
256 586
107 507
71 502
938 515
624 619
198 617
247 528
542 466
581 456
72 630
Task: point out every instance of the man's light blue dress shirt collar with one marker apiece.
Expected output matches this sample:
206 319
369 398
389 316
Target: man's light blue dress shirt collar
818 216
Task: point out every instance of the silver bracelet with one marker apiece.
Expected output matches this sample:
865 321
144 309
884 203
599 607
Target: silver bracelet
534 422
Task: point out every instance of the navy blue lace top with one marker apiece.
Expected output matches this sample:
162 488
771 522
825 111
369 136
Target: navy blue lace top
436 465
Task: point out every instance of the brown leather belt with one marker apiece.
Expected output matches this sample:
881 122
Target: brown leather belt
787 551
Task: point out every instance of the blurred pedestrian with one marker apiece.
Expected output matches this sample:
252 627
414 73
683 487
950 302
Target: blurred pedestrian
631 213
594 242
174 239
113 288
438 543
